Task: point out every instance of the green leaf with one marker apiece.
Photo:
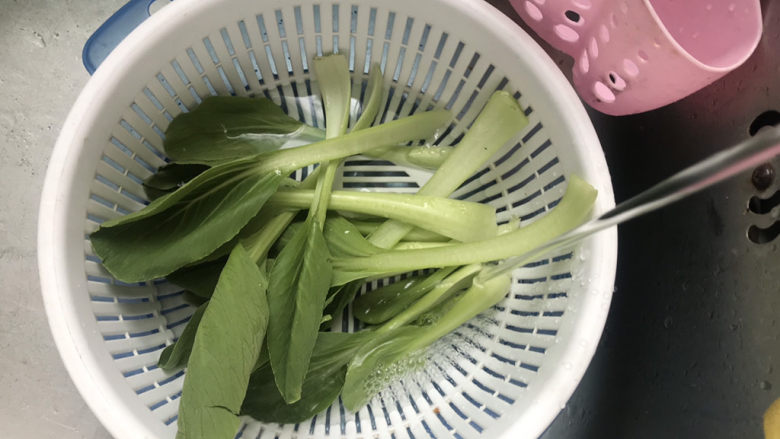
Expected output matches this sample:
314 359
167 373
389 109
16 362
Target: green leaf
425 157
177 354
200 279
332 74
288 234
374 92
500 120
184 226
300 278
324 379
344 239
379 362
171 177
442 290
367 227
225 128
569 213
384 303
392 354
415 127
341 296
461 220
226 349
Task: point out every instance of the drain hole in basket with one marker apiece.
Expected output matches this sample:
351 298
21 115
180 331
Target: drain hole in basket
573 16
616 81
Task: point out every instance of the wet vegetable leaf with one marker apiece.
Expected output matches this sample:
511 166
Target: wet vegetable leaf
299 282
225 351
184 226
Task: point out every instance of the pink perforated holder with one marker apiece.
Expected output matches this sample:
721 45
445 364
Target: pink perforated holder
637 55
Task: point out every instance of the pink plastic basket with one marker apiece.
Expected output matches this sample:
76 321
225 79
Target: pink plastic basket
637 55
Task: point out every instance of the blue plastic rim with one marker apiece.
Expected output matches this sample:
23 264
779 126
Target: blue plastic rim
113 31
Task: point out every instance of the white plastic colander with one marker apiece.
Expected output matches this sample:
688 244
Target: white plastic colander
506 374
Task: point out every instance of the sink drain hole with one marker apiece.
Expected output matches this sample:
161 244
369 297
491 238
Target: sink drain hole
764 205
762 236
765 119
762 179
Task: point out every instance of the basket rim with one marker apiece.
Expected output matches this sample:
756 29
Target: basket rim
71 336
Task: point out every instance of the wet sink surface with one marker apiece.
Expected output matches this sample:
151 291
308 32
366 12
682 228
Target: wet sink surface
691 347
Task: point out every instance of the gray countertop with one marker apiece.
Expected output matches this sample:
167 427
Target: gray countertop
40 77
691 345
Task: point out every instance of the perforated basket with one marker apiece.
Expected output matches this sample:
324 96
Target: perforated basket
505 374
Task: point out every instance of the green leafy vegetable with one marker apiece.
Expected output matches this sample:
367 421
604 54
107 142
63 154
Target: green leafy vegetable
499 121
226 349
344 239
332 73
184 226
422 156
177 354
254 344
461 220
384 303
189 224
414 127
415 245
300 278
301 275
323 383
376 362
200 279
453 282
425 157
569 213
171 177
340 297
367 227
225 128
374 92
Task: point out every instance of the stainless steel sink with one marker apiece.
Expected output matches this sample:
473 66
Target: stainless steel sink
691 347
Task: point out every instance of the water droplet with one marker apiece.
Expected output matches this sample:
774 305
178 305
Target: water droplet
734 326
765 385
732 7
668 322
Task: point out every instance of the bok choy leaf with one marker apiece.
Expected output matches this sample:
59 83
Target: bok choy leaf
225 351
